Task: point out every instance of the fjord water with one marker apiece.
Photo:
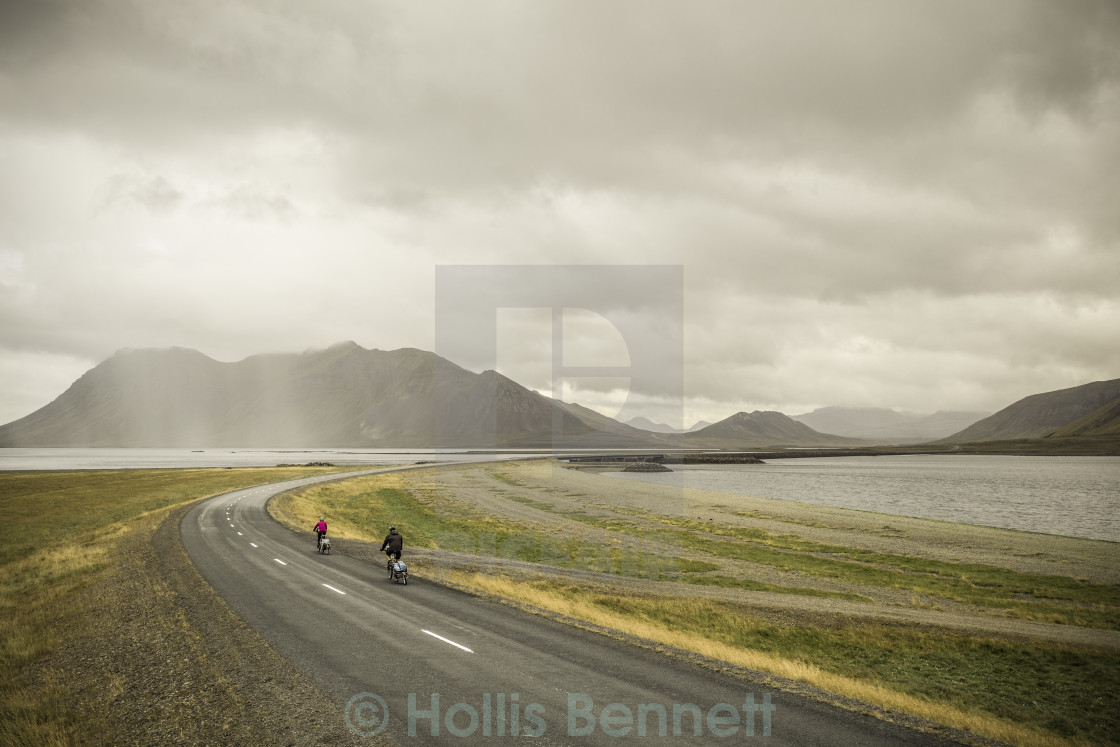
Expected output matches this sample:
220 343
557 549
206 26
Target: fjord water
1073 496
155 458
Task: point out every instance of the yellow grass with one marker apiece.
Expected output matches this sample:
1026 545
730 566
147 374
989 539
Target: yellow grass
39 606
984 725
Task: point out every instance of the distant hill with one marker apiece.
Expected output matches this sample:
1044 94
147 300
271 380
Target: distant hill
342 396
847 421
887 426
646 424
605 424
1048 414
760 430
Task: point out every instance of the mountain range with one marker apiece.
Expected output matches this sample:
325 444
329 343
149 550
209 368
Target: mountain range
885 426
342 396
348 396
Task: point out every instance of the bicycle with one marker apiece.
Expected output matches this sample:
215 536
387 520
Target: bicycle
398 571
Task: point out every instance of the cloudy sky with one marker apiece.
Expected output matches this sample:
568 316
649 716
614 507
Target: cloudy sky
899 204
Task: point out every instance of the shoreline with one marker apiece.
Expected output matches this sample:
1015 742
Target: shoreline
1015 509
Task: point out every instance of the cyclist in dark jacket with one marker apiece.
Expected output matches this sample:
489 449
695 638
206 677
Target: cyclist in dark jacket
393 544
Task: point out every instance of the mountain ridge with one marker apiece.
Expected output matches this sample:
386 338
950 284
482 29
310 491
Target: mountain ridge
345 396
1041 415
340 396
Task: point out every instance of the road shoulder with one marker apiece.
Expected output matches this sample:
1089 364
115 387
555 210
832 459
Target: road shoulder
170 662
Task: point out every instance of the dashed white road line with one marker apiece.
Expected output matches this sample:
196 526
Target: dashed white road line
278 560
447 640
340 591
254 544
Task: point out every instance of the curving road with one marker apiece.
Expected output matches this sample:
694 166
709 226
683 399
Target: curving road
424 664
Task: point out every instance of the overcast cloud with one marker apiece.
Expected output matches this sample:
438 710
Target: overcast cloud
896 204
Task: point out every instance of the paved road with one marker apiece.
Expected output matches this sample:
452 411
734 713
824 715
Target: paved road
424 664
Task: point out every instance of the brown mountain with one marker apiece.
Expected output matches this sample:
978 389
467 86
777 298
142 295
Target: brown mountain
342 396
760 430
346 396
1043 415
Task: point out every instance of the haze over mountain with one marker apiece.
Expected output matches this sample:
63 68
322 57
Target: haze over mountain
1086 410
646 424
342 396
347 396
887 426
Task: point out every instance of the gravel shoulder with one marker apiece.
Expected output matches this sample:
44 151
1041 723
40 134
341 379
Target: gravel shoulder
169 662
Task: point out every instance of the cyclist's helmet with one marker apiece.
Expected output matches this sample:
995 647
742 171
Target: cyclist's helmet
392 529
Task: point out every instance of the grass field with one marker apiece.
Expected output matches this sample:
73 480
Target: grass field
1010 688
65 528
60 536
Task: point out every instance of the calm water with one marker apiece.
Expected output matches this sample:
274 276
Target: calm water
1074 496
12 459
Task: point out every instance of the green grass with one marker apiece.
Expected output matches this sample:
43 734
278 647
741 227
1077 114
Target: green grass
1070 692
58 539
1050 598
984 586
1045 598
363 507
356 506
503 477
728 582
